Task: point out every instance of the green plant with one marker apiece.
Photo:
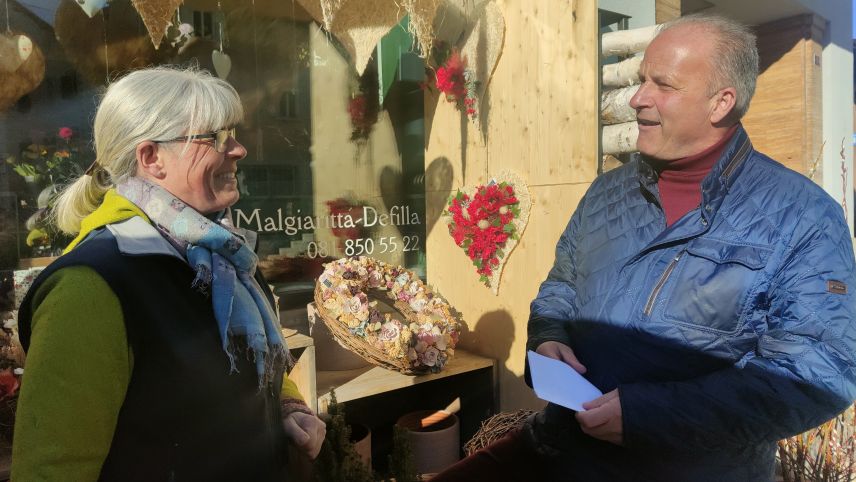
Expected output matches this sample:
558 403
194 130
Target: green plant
49 163
339 460
401 464
44 167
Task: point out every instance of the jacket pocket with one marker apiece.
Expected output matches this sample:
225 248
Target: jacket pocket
711 287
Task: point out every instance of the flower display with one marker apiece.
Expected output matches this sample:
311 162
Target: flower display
363 115
455 80
364 106
419 338
51 162
44 166
482 224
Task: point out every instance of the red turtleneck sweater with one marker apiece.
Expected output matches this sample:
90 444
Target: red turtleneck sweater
680 180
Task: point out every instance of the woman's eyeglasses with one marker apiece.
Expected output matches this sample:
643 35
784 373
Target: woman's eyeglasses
221 138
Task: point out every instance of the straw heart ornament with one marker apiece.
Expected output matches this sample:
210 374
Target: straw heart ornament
487 221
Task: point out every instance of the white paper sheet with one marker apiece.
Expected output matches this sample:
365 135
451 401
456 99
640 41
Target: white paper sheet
555 381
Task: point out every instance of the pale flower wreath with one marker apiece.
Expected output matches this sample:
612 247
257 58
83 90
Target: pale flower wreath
420 338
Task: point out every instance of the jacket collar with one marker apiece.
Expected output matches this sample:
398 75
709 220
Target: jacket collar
721 176
132 229
113 209
136 236
726 170
714 188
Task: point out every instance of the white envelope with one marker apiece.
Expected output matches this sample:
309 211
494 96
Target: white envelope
555 381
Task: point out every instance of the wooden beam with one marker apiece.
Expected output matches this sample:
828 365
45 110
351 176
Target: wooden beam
623 73
620 138
615 106
626 42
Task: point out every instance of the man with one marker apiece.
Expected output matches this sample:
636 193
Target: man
704 288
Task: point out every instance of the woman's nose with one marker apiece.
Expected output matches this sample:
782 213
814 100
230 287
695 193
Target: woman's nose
236 149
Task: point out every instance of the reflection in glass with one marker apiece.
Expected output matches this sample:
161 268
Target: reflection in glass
332 170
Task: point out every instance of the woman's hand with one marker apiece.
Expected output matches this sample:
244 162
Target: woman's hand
305 431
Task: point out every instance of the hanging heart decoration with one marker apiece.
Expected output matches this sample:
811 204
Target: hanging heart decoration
357 24
487 221
222 63
157 16
29 69
360 24
14 51
82 41
471 35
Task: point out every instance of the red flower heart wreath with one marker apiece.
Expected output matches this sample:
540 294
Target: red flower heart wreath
482 225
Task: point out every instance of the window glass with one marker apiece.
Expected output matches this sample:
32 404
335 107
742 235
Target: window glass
335 159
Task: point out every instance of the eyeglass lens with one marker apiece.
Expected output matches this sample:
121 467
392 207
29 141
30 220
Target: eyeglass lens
223 138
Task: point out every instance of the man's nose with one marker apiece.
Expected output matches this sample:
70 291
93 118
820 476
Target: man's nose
640 99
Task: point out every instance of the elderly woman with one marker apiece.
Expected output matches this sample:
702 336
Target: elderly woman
154 353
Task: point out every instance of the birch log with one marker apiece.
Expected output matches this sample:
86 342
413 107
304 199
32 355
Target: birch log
623 73
626 42
619 138
615 106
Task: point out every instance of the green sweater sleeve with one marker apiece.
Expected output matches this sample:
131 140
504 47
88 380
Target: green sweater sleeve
77 373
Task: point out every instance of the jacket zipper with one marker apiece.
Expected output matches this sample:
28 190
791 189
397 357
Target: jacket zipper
649 306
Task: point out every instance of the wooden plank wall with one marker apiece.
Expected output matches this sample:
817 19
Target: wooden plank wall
541 120
665 10
785 119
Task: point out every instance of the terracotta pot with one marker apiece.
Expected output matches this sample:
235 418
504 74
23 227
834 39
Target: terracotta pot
435 439
361 437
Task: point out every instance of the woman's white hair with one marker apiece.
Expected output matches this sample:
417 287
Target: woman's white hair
735 62
150 104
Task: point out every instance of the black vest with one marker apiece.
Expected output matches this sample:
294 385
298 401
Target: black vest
185 416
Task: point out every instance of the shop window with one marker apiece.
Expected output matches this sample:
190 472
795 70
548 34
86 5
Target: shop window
68 85
288 105
203 24
334 160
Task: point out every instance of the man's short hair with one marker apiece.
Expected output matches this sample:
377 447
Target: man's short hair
735 59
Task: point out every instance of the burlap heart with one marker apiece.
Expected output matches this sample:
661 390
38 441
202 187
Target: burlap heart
14 51
360 24
487 221
156 15
26 77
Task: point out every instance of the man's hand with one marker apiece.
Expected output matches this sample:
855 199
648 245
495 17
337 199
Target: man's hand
561 352
305 431
602 418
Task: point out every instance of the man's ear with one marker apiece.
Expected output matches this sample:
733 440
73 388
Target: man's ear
149 162
724 101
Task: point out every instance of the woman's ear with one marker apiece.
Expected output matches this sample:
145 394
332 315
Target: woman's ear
149 161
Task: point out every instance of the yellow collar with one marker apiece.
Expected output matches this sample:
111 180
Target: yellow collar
113 209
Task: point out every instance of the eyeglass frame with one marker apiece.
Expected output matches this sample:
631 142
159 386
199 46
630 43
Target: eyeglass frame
219 145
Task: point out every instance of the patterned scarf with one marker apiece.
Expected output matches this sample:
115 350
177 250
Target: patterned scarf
224 266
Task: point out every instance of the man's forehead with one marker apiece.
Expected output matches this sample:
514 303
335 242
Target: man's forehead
669 53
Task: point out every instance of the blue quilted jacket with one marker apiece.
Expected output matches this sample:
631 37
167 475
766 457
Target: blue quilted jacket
725 332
